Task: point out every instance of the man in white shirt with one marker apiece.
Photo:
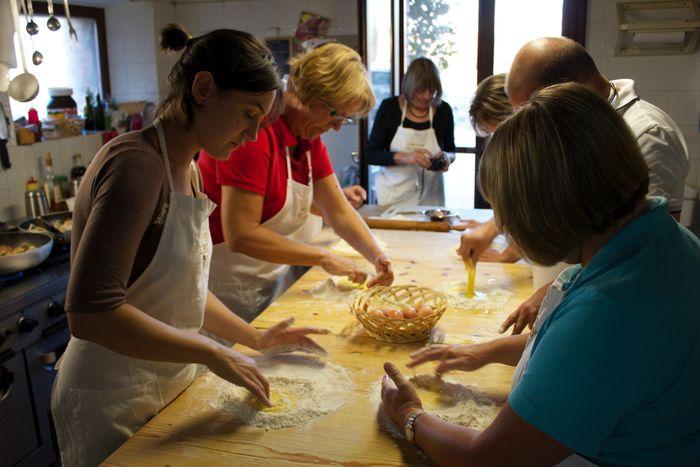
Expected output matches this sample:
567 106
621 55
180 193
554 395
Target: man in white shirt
546 61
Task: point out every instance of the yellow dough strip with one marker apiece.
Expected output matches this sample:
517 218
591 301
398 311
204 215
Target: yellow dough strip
470 267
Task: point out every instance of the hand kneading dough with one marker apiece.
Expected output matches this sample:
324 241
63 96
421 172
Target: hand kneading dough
347 285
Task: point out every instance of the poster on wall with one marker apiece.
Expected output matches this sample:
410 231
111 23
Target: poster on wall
312 31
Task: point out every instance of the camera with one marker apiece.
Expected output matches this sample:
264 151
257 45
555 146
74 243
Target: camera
438 163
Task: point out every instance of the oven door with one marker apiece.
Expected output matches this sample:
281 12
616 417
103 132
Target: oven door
18 434
41 361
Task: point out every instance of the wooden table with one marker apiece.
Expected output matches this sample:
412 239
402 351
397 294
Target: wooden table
190 432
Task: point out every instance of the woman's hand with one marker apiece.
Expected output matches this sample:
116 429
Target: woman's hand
526 313
356 195
385 274
283 338
508 255
339 266
399 398
447 164
420 158
240 370
453 357
465 224
474 243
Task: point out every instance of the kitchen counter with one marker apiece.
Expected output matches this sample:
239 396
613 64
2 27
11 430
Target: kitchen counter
190 432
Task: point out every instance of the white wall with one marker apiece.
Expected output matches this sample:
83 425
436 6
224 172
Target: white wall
672 82
131 48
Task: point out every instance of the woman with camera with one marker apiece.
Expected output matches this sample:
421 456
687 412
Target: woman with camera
410 139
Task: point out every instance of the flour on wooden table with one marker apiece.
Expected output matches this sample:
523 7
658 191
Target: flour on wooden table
330 292
302 389
344 248
453 402
484 300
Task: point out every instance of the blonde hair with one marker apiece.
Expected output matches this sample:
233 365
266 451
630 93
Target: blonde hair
331 74
490 105
563 168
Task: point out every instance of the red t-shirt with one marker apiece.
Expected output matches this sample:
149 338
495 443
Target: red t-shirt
260 167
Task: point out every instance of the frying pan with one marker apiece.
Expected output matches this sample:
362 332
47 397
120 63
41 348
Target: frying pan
51 218
42 244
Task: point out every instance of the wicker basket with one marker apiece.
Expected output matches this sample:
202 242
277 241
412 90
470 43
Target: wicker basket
398 330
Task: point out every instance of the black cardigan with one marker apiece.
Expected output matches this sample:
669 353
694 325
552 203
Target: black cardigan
387 120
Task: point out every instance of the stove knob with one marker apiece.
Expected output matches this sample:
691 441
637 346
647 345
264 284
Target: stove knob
26 324
54 309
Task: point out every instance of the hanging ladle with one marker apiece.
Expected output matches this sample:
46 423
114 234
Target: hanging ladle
52 23
23 87
32 27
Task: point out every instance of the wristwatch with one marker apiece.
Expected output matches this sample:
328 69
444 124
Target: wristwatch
408 427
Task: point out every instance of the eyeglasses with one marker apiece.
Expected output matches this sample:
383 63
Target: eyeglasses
337 116
614 95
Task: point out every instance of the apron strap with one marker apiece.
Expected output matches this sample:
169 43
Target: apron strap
158 124
430 112
403 114
308 161
289 164
289 167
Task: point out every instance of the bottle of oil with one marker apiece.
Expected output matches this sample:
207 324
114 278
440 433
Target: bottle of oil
49 182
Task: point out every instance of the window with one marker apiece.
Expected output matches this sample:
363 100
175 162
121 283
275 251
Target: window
517 22
66 63
379 50
446 31
468 40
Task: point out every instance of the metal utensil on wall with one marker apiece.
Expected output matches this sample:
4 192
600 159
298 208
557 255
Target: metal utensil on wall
32 27
52 23
37 57
23 87
71 29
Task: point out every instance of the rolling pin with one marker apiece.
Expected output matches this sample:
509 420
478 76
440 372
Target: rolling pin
388 224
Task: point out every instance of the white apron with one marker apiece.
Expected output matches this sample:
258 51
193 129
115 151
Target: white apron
247 285
409 184
555 295
100 397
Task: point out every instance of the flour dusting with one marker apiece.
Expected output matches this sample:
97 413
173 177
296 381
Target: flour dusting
490 301
302 389
329 291
344 248
453 402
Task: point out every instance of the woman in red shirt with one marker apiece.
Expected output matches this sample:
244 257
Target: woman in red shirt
266 189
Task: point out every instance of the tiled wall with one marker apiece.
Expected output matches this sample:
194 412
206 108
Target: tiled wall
265 18
28 161
671 82
131 47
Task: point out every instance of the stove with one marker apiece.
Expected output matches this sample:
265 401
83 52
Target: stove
33 335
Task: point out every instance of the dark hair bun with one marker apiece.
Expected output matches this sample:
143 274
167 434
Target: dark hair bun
173 37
